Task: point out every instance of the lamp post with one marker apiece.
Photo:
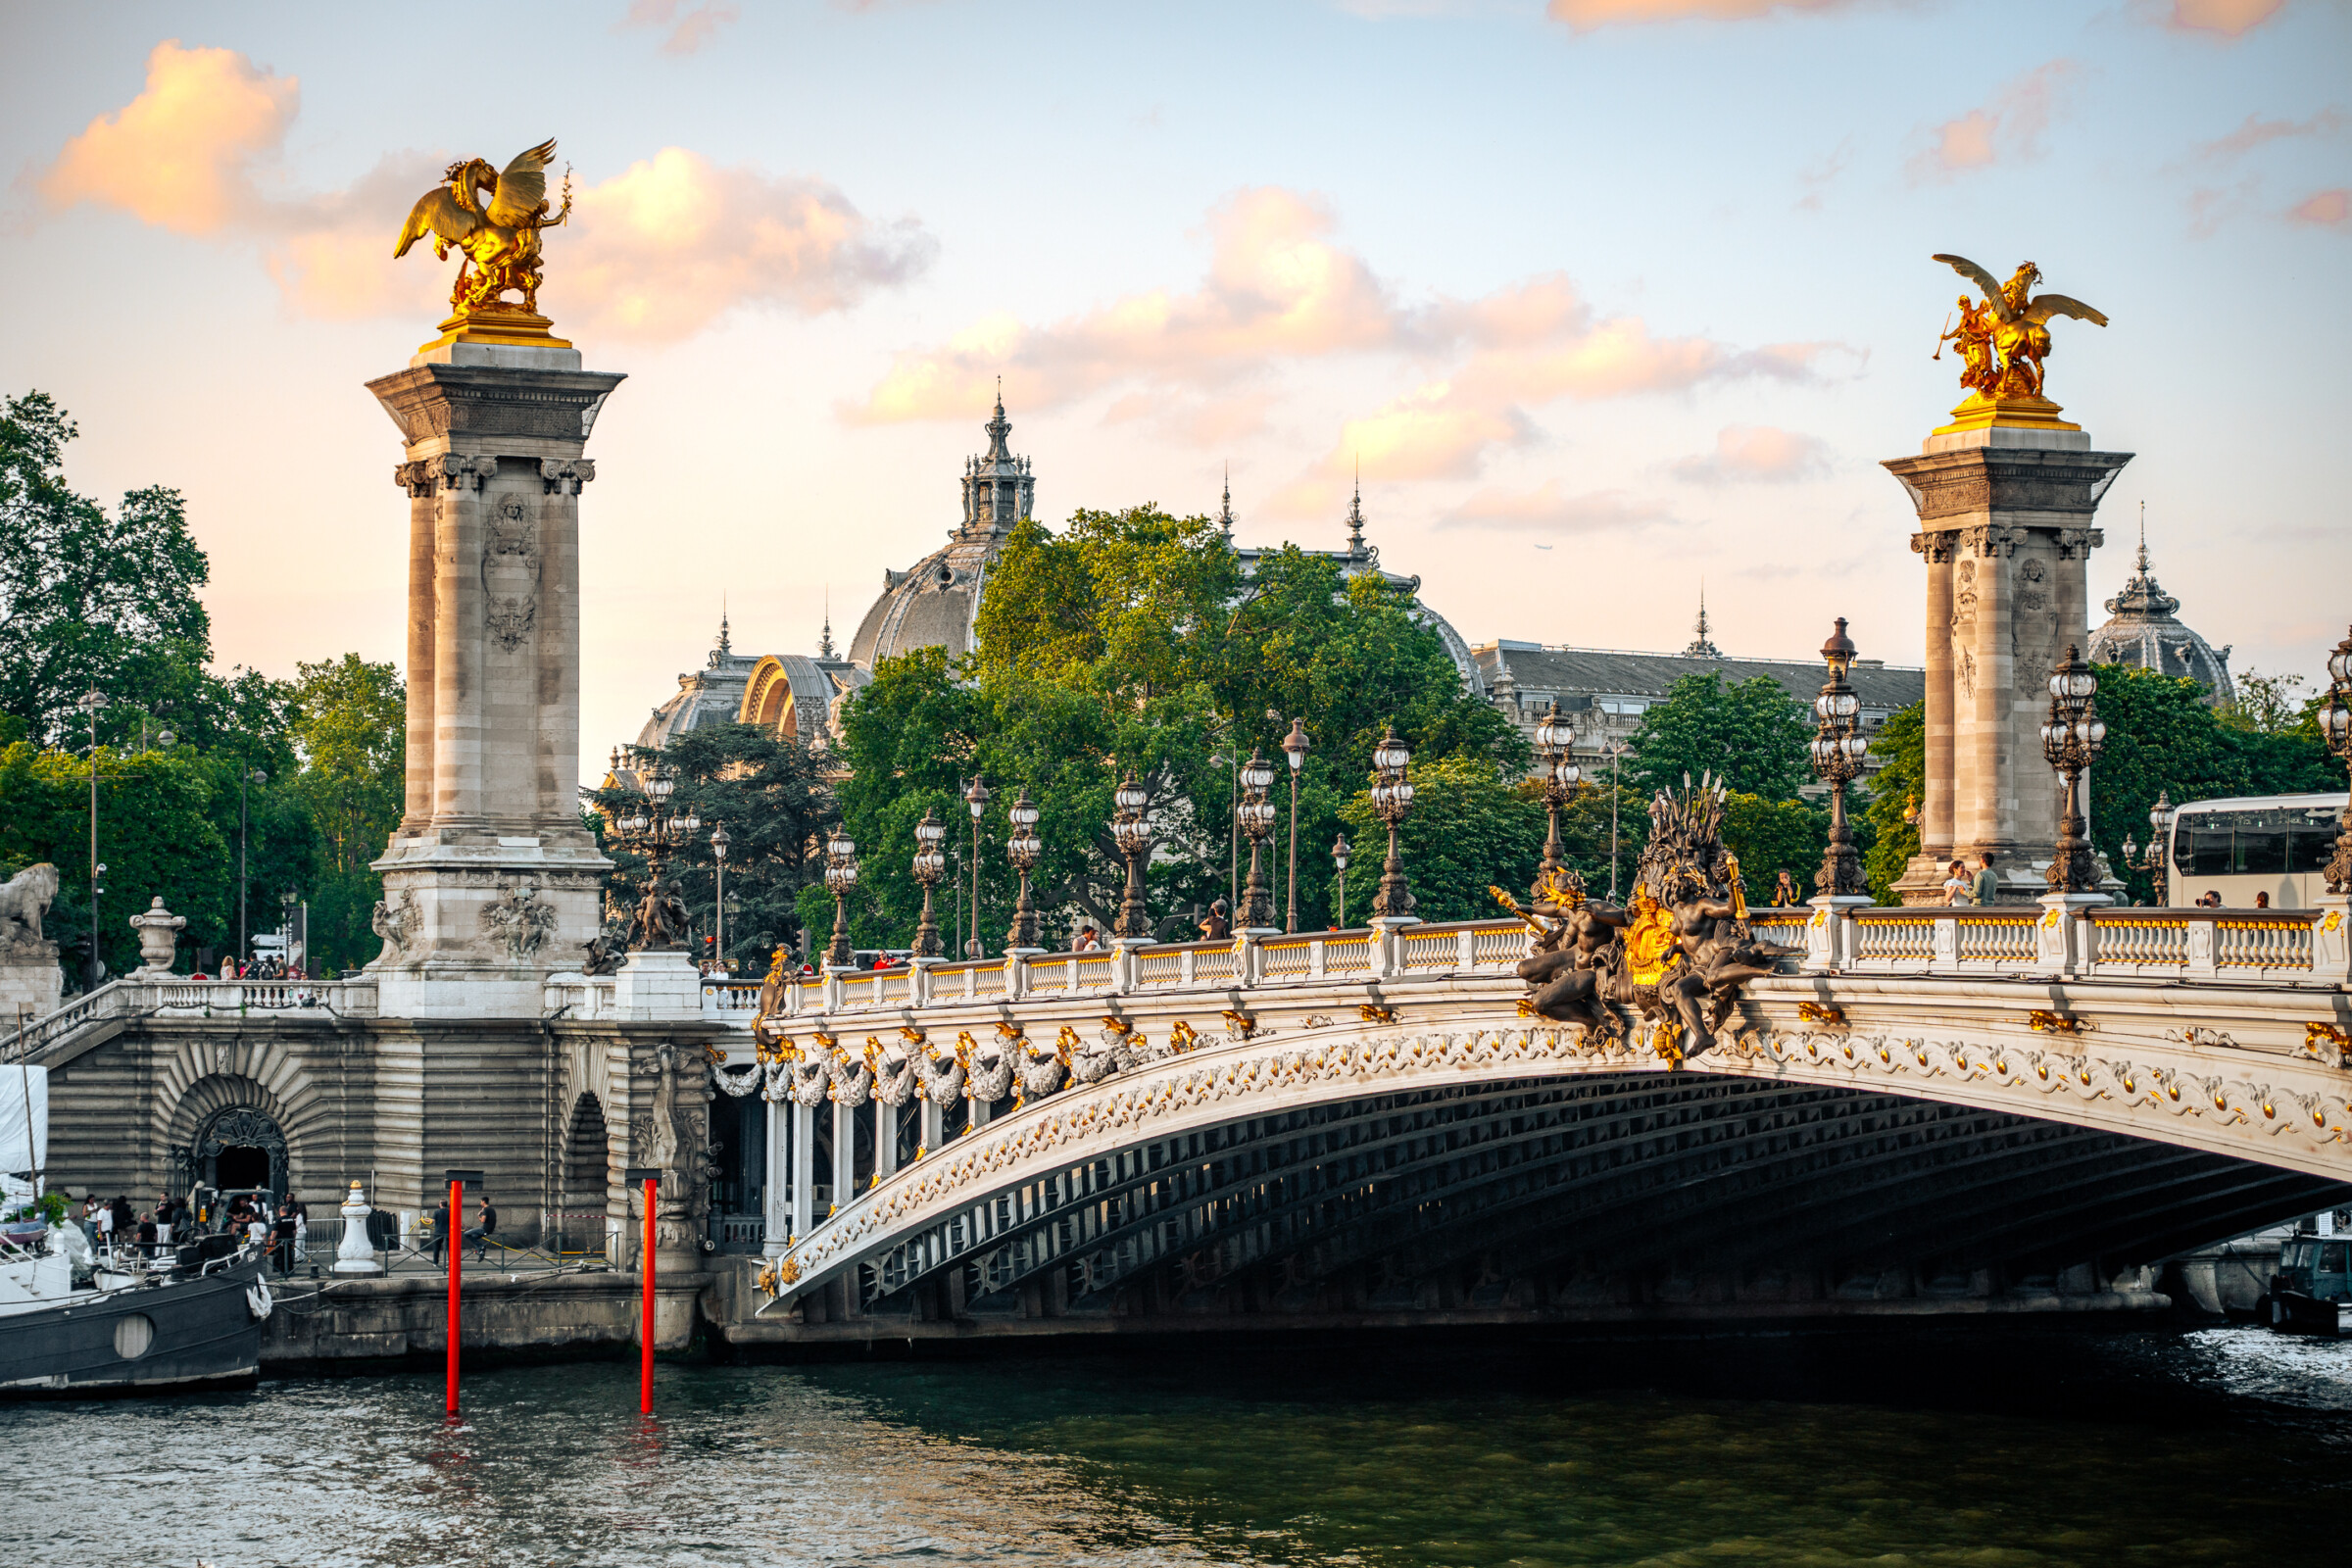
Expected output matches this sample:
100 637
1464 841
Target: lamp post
2335 727
1133 835
719 902
1839 747
285 902
1616 789
1255 817
929 862
1552 754
92 703
1338 858
977 798
651 828
840 875
2160 838
2071 740
1023 849
1294 746
1392 799
244 827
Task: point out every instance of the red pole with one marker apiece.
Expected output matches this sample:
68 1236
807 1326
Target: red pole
645 1354
457 1252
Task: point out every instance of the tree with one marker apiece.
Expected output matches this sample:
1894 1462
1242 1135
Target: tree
1752 736
1896 789
2263 705
87 600
348 718
1468 830
1772 836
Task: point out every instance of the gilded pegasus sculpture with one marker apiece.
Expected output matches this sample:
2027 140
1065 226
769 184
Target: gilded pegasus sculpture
500 239
2012 323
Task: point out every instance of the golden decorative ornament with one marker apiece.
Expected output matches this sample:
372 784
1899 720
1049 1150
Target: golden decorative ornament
1650 948
1373 1012
1822 1014
2001 343
500 239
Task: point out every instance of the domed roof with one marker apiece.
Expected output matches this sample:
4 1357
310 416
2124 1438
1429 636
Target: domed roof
2143 629
707 696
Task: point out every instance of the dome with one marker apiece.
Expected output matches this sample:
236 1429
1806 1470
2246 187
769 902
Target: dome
2143 629
711 695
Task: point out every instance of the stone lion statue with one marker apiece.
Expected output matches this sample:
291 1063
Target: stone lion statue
24 899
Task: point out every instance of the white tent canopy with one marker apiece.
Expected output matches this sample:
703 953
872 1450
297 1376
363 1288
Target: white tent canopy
23 1119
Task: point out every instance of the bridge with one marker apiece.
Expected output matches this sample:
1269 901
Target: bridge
1970 1109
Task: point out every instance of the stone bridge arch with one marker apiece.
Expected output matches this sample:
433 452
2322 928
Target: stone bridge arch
222 1112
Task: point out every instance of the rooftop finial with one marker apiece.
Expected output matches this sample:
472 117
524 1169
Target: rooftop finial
1702 645
1356 513
999 427
724 646
1225 509
2143 538
824 639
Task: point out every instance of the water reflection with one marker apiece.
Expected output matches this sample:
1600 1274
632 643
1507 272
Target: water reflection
1925 1447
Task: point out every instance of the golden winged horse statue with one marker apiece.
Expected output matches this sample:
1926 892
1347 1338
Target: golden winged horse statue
2016 328
501 240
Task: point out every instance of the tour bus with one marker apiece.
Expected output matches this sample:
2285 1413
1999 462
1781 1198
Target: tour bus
2274 844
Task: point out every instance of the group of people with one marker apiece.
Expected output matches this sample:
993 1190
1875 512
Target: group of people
1960 890
112 1224
479 1233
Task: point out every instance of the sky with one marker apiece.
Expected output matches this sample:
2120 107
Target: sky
1610 302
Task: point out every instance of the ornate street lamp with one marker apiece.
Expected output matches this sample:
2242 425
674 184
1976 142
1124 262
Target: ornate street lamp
1023 849
648 827
2160 834
1838 748
840 875
1340 851
2335 727
1133 836
1294 746
1392 800
1255 817
718 906
2071 740
975 798
929 862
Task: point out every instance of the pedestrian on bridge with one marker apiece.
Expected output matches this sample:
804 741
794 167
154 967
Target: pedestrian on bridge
1987 888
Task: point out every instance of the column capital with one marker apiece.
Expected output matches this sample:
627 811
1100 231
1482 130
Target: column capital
565 476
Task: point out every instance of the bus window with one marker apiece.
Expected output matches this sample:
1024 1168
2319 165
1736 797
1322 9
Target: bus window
2309 845
2203 847
2260 849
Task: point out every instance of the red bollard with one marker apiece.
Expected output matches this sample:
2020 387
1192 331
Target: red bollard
456 1255
645 1338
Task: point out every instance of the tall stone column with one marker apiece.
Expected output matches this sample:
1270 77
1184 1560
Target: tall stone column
490 882
2005 513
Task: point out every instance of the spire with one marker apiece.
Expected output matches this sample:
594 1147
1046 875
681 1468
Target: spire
725 645
2144 539
1356 513
2141 596
998 428
824 639
1701 646
1225 511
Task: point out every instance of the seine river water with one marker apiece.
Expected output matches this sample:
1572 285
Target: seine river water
2001 1450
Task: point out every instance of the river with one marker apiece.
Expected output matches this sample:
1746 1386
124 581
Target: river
1993 1449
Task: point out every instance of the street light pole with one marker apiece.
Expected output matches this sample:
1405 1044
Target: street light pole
840 875
1839 747
1616 788
1255 814
1133 835
1339 856
244 829
1023 848
2072 741
977 798
91 703
718 915
1294 746
928 863
2160 841
2335 729
1392 799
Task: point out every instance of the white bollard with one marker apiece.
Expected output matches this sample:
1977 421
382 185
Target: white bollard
357 1255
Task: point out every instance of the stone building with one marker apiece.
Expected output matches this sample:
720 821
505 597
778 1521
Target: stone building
2143 629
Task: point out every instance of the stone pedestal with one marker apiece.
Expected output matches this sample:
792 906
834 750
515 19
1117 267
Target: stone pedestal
2005 528
158 941
490 882
356 1253
30 982
657 987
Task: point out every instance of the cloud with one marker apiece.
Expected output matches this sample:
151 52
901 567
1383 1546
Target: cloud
2009 129
690 26
2258 132
2230 19
182 154
656 253
1584 15
1548 508
1756 453
2328 209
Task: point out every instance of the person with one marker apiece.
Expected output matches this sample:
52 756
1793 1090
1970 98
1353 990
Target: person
2212 899
123 1215
1956 885
1087 941
1784 894
1987 886
106 1224
256 1230
146 1234
281 1234
89 1219
1214 927
302 1235
485 1222
440 1229
2261 901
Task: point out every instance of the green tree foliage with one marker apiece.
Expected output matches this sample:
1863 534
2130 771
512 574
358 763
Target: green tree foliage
1133 640
88 600
770 795
1752 736
1768 837
1899 785
1468 830
348 718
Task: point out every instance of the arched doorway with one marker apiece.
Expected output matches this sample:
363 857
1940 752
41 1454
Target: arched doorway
587 1161
241 1147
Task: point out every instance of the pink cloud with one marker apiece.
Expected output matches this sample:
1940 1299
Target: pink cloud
2258 132
182 154
656 253
2328 209
1549 508
690 26
2008 129
1585 15
2230 19
1757 453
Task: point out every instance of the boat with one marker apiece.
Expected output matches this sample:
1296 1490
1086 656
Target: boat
2312 1291
190 1320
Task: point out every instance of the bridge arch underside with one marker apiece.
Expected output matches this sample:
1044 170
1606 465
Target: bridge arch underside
1605 1198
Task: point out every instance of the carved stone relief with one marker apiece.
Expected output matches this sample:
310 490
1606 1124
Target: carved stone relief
511 569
